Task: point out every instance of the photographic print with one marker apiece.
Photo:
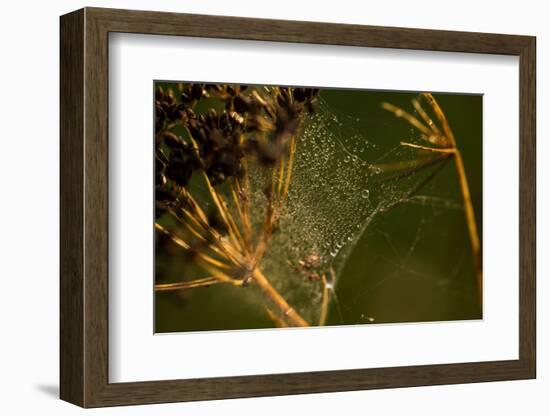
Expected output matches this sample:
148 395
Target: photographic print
366 183
282 206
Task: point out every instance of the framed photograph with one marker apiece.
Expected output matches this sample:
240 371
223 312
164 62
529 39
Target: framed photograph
257 207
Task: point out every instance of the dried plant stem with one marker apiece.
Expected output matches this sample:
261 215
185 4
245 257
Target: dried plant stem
194 204
465 190
446 144
247 234
286 311
281 175
400 113
244 198
429 149
197 234
279 322
192 284
231 222
441 117
290 165
324 304
225 215
267 228
471 222
219 274
417 166
178 241
425 117
213 240
404 166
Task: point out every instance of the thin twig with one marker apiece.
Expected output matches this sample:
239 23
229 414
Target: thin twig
428 149
279 322
288 313
290 165
192 284
326 300
281 176
178 241
213 239
471 222
465 189
448 146
400 113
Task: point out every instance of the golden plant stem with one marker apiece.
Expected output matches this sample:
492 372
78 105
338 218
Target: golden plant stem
465 189
214 241
425 117
219 274
267 230
187 224
205 282
223 213
231 221
194 204
288 313
178 241
403 165
441 117
324 305
243 208
243 197
244 188
267 225
281 175
468 209
237 203
429 149
449 147
400 113
229 252
266 234
470 221
290 165
276 318
198 217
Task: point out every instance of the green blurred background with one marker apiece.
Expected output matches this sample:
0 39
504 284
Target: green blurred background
413 263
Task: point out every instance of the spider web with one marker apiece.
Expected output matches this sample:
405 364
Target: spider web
345 188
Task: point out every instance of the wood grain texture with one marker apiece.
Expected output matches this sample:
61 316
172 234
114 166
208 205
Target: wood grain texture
84 207
72 367
527 207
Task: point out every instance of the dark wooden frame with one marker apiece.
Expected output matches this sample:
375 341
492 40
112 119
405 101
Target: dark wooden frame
84 207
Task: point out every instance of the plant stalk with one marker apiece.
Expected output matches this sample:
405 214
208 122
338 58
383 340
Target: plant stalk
287 312
471 222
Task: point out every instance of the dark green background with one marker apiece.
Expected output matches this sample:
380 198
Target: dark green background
379 282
